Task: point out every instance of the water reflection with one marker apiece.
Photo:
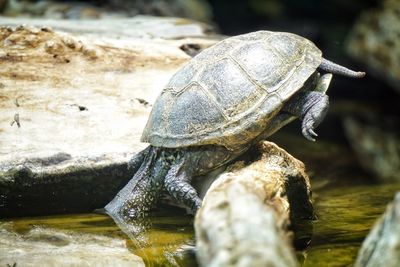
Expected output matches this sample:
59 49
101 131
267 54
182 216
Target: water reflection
161 239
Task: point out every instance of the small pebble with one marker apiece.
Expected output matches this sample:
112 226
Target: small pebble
91 52
46 29
69 42
21 27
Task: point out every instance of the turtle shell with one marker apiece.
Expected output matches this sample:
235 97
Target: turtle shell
228 93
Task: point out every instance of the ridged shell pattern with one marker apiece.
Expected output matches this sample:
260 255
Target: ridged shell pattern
228 93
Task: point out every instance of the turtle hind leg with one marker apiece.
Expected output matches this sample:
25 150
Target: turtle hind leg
177 183
190 162
142 191
311 107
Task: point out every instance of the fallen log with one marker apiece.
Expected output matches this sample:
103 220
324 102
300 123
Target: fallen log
246 213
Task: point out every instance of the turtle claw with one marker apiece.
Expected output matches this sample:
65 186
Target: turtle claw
308 133
307 129
312 132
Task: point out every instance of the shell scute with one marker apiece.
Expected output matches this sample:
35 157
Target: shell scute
286 45
189 117
216 52
182 78
264 66
233 91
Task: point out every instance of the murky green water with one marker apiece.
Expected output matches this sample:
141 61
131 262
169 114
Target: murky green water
345 216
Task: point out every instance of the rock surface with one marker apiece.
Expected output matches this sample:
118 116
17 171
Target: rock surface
246 213
47 247
74 102
382 245
375 41
377 145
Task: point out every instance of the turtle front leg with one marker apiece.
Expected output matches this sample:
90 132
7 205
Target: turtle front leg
177 182
311 107
142 192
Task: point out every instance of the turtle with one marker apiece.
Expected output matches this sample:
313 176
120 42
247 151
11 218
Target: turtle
221 102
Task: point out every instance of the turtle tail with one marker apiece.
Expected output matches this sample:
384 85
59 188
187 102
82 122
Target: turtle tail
334 68
141 193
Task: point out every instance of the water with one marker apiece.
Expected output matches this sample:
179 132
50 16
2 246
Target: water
346 214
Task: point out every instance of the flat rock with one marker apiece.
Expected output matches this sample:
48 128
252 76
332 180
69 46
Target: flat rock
246 213
382 245
138 27
74 102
